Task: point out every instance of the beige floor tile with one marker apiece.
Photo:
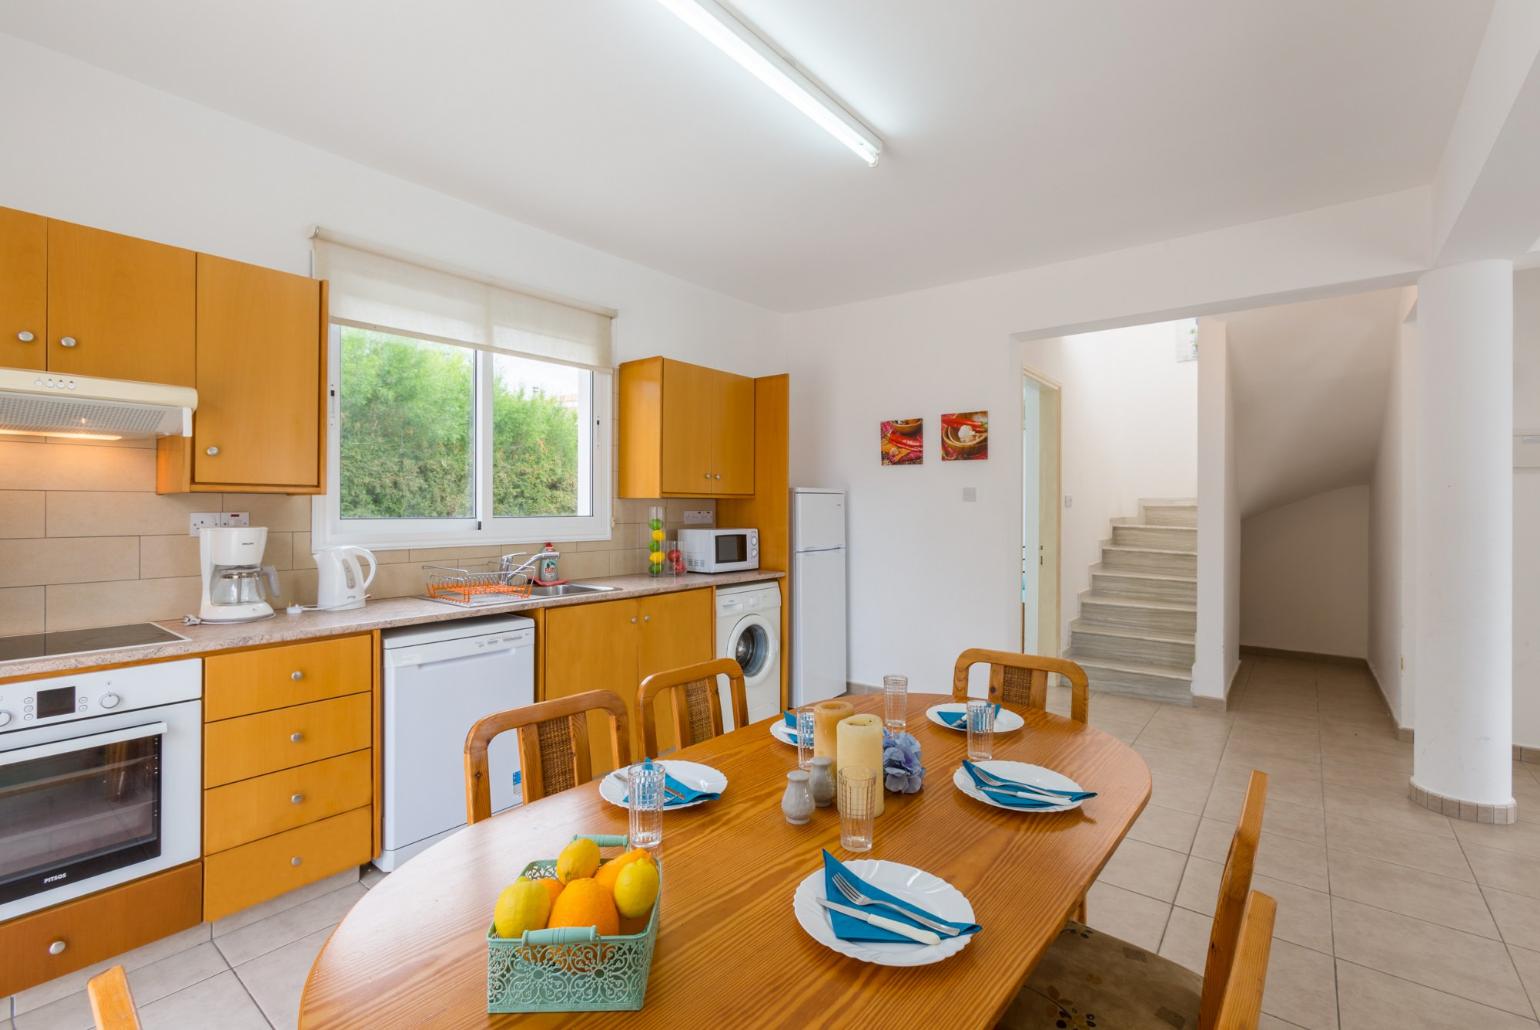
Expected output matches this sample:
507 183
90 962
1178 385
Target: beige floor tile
276 980
256 913
288 926
218 1003
1505 870
1184 793
1267 1022
1168 828
1186 938
1390 808
1127 916
1517 915
1284 786
1457 904
1527 962
1298 862
1372 1000
148 954
1300 822
1435 852
1522 837
1145 869
148 983
1304 915
71 1012
1301 984
371 876
1475 968
1193 766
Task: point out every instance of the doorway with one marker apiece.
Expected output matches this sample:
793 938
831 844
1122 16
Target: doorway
1040 461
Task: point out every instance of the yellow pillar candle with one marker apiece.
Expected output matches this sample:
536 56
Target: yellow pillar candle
860 747
826 716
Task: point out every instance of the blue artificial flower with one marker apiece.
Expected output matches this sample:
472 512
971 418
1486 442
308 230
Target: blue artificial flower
901 769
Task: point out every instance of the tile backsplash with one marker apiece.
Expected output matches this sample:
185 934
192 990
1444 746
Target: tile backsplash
85 540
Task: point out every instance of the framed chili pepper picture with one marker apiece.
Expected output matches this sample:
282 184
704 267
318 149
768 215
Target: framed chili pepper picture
965 436
903 441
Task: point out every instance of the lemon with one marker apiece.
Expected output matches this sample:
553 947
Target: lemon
524 904
657 534
611 869
636 888
577 860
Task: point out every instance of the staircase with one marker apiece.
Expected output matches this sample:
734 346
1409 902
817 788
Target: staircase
1138 621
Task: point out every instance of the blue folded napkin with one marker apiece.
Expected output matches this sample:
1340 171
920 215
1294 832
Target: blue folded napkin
685 793
790 718
849 928
1053 798
961 718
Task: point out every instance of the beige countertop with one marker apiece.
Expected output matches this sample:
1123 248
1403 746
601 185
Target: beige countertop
383 614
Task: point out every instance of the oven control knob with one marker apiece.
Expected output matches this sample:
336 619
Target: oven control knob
110 701
5 718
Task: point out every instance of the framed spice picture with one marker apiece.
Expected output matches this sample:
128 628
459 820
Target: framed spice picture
903 441
965 436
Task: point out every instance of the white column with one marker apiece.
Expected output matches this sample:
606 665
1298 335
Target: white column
1463 501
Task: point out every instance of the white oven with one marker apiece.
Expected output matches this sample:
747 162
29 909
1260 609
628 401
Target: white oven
100 777
719 550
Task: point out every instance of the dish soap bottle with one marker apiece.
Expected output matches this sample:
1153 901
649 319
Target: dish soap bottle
548 557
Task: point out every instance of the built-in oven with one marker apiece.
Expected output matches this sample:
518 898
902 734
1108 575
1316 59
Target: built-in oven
99 780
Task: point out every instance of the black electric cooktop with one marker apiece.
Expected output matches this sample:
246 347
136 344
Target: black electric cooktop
75 641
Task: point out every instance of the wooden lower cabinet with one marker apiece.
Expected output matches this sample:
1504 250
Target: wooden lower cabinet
236 749
677 630
277 677
99 926
252 873
249 810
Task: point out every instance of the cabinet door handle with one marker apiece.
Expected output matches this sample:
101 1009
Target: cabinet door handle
67 341
25 337
57 947
646 618
296 799
633 620
296 737
717 476
297 675
708 475
212 452
296 860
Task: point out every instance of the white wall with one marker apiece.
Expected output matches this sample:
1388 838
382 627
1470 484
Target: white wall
1217 655
92 147
1526 513
1130 430
1305 575
1392 540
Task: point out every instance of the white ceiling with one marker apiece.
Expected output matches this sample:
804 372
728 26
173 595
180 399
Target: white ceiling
1017 133
1309 383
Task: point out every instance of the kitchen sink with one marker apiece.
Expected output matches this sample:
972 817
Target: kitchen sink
569 589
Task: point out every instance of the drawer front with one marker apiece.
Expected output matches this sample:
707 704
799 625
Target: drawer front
99 926
238 813
252 873
278 677
238 749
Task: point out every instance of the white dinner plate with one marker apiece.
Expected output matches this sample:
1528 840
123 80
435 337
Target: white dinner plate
782 732
692 774
1021 772
926 890
1006 722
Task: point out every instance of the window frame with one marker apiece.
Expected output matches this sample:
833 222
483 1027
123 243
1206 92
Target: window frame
328 528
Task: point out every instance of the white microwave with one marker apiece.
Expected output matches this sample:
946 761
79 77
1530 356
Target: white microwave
719 550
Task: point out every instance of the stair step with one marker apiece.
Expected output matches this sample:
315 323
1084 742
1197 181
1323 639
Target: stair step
1137 614
1148 586
1157 682
1150 559
1118 644
1168 538
1180 512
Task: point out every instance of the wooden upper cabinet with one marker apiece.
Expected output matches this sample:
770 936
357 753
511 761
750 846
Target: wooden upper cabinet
259 350
119 307
23 289
685 430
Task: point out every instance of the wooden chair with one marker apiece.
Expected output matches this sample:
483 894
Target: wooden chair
553 747
112 1004
695 702
1021 680
1086 973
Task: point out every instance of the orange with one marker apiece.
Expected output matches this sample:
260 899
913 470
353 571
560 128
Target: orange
586 902
611 869
634 924
552 885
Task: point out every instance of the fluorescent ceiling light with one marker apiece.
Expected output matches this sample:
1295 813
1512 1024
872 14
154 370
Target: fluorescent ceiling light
59 435
742 44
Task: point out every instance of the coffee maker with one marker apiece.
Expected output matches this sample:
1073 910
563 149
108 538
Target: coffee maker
235 582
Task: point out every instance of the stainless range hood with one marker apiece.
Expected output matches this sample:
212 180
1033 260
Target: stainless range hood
36 403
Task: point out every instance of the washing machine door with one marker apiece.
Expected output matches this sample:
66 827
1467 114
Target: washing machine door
755 645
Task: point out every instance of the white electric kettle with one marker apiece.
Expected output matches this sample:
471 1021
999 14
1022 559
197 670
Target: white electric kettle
342 583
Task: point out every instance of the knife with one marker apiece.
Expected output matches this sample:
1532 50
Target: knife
902 929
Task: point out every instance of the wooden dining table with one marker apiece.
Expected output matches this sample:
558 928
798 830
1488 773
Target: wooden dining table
730 952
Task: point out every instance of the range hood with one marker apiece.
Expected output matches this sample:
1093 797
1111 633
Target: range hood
34 403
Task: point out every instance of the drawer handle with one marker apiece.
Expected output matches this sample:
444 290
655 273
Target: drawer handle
66 341
25 337
296 860
296 799
296 737
296 675
57 947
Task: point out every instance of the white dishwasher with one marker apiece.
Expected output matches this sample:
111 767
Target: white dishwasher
439 680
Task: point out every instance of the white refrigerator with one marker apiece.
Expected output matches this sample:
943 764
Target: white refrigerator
818 653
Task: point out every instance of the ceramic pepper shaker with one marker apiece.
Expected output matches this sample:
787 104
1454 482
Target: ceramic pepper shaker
797 802
820 781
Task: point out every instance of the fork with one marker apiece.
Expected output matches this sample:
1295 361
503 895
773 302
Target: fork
991 780
853 895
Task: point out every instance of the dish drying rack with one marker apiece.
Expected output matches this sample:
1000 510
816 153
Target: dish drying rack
474 584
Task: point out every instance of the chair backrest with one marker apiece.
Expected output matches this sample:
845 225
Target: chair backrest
1241 1006
695 702
1230 910
553 747
1021 680
112 1003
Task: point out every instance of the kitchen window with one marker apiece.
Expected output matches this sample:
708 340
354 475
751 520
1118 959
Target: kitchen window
460 412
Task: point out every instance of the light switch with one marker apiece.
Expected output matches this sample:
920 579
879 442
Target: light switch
198 519
237 518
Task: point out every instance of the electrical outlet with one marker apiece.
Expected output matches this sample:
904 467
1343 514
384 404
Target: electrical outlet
237 518
697 517
198 519
1069 502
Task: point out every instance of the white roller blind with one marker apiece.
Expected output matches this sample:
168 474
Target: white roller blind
378 291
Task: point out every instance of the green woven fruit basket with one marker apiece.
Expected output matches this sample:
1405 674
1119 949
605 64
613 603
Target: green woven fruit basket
571 969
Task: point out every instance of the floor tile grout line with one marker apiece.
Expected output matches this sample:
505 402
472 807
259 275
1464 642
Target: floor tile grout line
1435 990
1507 945
252 998
1331 913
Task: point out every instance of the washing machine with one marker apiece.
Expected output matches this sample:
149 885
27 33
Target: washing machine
749 632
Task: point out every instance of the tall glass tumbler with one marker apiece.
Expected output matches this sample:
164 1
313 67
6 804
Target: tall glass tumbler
805 727
981 730
895 703
858 789
645 793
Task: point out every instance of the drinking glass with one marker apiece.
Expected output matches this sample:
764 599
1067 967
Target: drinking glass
981 730
805 737
895 703
858 805
644 799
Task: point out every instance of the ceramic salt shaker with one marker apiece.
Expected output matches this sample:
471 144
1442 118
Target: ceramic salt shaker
821 781
797 802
